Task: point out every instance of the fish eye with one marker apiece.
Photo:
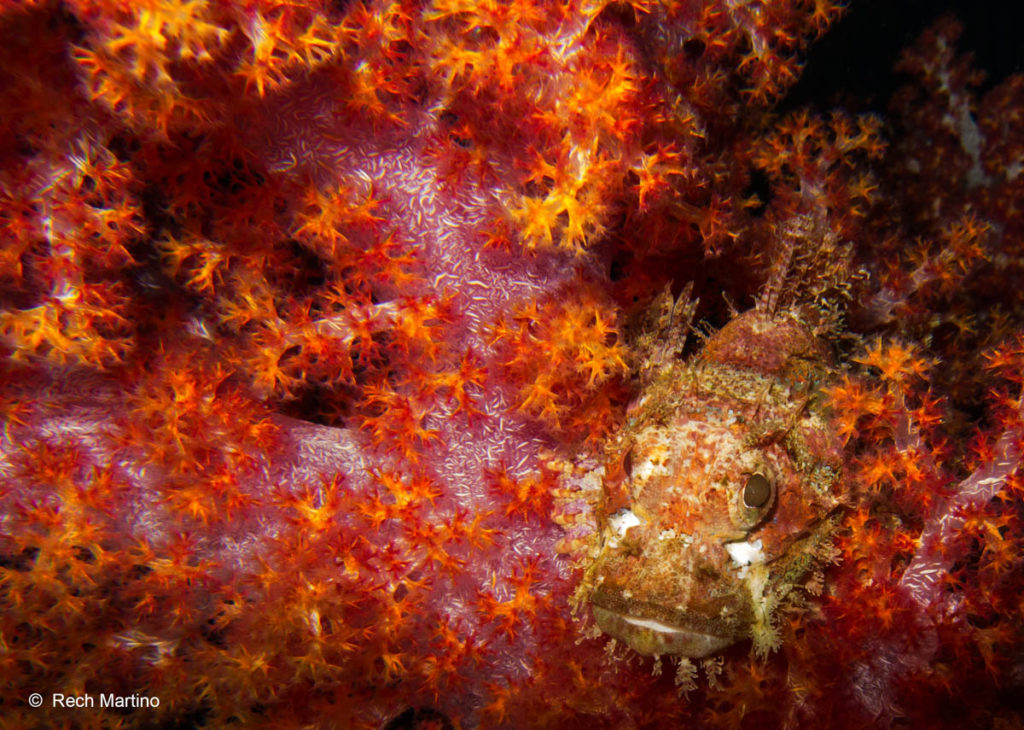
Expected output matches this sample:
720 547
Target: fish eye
757 492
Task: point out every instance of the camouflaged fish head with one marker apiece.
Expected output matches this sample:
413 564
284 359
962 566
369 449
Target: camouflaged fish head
720 493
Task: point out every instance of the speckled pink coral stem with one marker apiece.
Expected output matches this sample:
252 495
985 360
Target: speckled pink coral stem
923 578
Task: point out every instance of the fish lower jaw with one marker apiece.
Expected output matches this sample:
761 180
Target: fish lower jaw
652 637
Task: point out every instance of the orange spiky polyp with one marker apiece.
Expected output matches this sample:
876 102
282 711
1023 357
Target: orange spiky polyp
314 317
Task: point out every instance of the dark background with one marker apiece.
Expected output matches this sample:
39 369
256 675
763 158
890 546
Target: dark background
852 65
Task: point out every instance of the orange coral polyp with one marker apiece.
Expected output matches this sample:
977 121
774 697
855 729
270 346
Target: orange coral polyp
311 314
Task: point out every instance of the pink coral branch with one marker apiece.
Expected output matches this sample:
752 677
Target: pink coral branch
923 578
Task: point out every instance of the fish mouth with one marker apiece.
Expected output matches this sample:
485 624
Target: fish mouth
653 637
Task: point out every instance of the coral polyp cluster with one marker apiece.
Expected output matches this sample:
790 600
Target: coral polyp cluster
316 319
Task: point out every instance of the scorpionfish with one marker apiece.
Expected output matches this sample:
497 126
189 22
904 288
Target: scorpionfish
720 493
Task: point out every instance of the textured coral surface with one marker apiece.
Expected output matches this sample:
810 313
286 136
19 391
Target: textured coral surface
303 303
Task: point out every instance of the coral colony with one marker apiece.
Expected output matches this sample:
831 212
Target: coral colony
322 327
